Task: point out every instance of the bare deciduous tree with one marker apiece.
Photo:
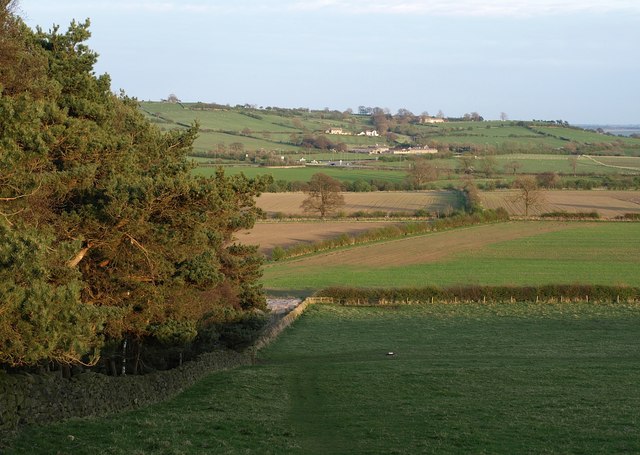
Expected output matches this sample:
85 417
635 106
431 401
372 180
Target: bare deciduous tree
513 166
529 193
573 162
324 195
422 172
488 165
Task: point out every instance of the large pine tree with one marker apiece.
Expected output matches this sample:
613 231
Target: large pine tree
105 234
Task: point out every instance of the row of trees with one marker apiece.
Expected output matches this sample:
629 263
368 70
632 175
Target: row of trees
324 195
106 238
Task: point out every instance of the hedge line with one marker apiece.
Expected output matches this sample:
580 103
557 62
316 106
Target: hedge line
572 215
391 232
44 398
493 294
27 399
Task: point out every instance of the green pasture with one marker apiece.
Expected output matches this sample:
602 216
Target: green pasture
525 143
586 136
601 253
208 142
465 378
231 119
539 163
500 135
218 120
304 174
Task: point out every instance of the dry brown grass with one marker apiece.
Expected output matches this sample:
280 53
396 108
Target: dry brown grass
608 204
284 234
393 201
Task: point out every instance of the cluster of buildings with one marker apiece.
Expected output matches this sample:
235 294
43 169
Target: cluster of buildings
381 150
340 131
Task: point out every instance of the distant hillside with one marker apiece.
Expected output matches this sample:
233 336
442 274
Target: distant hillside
232 132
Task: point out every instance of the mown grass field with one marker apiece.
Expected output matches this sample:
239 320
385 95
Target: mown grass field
466 378
513 253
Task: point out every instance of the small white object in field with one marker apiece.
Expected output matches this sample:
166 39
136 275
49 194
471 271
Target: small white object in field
391 353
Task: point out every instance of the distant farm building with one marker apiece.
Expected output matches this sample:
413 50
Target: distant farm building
337 131
373 133
427 119
416 151
372 150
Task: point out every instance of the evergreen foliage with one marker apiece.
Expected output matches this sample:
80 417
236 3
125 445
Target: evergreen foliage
105 235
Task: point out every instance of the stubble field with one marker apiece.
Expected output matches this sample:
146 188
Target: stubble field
396 201
268 235
609 204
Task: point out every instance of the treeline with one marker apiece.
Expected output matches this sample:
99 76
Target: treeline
391 232
112 254
356 186
482 294
552 180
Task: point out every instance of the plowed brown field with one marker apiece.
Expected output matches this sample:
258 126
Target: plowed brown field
271 234
432 247
608 204
392 201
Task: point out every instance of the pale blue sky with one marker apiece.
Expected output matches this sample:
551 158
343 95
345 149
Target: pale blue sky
575 60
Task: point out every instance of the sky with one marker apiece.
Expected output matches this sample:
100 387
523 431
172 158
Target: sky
575 60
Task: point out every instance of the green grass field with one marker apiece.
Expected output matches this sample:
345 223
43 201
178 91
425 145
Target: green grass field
466 378
595 253
304 174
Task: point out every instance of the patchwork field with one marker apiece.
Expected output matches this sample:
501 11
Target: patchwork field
396 201
284 234
512 378
304 174
514 253
609 204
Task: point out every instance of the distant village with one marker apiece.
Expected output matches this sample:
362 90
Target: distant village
380 150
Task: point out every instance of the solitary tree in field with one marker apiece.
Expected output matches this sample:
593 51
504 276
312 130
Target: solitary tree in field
529 193
573 162
236 147
488 165
324 195
503 116
422 172
466 161
513 166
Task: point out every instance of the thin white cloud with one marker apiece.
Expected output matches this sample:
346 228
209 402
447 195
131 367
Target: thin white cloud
478 8
488 8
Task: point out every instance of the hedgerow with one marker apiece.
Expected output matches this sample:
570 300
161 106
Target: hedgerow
474 293
392 232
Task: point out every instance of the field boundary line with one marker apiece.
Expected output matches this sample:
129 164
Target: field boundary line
273 331
330 251
611 165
